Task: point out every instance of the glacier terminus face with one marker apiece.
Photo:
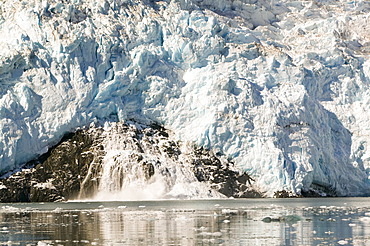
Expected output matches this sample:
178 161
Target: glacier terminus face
281 87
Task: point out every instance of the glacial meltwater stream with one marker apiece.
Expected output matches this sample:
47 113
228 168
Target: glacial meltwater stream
316 221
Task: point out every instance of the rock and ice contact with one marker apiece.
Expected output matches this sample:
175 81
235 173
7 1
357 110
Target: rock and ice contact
281 86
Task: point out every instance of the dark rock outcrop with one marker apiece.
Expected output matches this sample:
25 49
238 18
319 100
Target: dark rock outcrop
72 169
224 178
57 175
316 190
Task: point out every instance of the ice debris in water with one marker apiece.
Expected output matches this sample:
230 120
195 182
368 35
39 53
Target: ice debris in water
45 243
342 242
282 87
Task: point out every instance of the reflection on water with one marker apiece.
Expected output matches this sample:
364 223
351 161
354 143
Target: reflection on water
344 221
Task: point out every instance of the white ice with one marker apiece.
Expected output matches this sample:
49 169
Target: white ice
281 86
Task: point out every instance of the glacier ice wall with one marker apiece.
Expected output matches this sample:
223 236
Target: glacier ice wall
280 86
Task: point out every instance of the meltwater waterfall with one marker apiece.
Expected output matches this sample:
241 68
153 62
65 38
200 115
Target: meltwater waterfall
142 164
126 161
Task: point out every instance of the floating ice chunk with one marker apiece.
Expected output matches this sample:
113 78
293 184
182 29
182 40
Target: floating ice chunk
44 243
365 219
58 210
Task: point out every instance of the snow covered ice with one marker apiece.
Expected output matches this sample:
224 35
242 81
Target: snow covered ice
280 86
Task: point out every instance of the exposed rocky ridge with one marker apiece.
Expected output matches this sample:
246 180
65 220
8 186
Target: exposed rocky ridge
73 168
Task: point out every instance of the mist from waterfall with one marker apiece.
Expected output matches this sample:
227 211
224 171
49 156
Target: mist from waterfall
142 167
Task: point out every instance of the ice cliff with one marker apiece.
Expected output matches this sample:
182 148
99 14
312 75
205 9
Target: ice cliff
279 86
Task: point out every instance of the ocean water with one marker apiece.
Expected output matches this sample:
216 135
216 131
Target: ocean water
307 221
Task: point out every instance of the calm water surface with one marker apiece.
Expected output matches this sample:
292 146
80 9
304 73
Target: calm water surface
318 221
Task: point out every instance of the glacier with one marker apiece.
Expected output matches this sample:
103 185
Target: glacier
279 86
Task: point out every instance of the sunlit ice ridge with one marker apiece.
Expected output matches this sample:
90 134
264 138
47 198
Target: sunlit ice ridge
279 87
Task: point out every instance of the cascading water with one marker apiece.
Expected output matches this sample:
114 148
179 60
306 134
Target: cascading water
126 162
141 164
